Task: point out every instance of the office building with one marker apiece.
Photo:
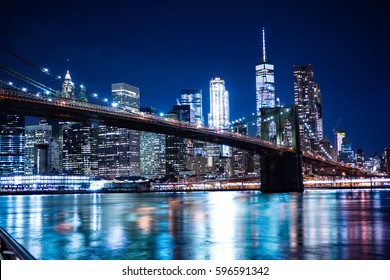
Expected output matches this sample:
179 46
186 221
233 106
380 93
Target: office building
219 104
35 137
242 160
54 156
339 141
386 161
219 156
68 87
80 149
152 151
175 150
119 148
193 97
346 155
126 97
359 158
307 98
265 86
11 144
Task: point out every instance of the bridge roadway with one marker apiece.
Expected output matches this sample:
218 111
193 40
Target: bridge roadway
31 104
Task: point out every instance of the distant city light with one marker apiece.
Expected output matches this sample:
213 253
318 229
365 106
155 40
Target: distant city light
114 104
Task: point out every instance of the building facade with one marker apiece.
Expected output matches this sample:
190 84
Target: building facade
35 135
265 86
11 144
80 149
152 151
219 156
219 104
119 148
68 90
193 97
307 98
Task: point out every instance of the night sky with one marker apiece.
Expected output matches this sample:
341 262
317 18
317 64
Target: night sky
164 46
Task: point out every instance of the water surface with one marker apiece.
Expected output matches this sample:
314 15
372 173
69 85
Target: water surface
329 224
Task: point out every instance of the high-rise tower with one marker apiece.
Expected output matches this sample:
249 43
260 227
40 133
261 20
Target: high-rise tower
35 135
193 97
307 97
219 104
119 148
265 86
11 144
67 87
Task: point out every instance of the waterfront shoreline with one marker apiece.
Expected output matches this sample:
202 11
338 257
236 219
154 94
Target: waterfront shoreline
51 192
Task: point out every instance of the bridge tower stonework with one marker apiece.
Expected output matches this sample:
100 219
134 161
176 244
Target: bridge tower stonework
281 171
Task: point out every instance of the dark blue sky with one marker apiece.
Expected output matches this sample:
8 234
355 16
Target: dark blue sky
164 46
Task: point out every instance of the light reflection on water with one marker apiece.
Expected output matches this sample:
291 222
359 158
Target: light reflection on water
331 224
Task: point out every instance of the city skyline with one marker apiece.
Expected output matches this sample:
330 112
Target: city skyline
167 46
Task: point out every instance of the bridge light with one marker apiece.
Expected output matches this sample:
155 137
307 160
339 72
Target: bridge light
81 86
95 95
45 70
10 83
161 114
47 92
58 77
114 104
105 100
24 89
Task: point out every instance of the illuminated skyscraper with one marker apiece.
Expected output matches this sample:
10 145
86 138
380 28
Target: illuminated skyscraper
219 104
126 97
339 140
119 148
35 135
359 158
193 97
11 144
152 151
307 97
386 161
265 86
346 153
175 150
219 156
80 149
67 87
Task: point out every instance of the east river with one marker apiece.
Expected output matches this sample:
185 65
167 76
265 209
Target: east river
316 224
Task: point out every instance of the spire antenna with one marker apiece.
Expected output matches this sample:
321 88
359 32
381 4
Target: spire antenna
264 57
